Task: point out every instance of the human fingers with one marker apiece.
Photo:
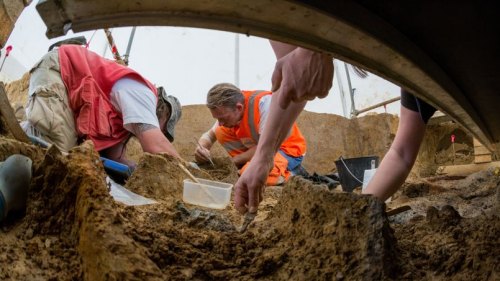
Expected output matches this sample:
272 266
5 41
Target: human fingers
277 76
323 95
206 153
254 196
325 76
305 97
240 197
200 156
327 86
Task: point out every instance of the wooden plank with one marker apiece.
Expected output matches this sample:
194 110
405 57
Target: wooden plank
467 169
482 159
476 142
9 117
481 150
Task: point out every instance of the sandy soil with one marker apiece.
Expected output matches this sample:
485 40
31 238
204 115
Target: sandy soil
72 229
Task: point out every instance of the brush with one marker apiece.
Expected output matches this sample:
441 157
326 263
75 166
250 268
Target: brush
201 147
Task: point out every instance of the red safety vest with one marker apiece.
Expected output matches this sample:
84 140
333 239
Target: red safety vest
89 79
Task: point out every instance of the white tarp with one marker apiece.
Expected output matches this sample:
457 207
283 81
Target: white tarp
125 196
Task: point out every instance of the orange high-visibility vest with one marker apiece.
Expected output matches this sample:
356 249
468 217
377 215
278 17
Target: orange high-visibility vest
239 139
89 79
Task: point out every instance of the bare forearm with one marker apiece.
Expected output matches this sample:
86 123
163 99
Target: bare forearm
299 75
153 141
279 122
205 143
116 153
162 147
202 151
281 49
390 176
400 158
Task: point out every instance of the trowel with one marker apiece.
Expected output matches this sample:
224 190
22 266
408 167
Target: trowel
247 220
15 177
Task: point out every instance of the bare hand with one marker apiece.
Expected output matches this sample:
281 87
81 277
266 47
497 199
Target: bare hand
302 75
202 154
249 189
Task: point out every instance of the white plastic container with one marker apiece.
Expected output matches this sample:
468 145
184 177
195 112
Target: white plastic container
368 175
207 193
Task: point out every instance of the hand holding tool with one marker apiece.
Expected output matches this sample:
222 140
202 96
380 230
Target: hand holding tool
247 219
206 156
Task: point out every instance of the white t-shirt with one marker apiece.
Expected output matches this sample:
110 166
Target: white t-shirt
135 101
264 105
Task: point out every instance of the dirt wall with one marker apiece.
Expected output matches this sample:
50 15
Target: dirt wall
328 136
72 229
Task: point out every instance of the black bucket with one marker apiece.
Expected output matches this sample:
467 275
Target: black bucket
351 171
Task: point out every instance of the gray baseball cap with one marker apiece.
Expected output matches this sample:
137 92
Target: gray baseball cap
175 113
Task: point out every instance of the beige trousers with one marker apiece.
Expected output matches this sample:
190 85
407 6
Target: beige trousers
47 112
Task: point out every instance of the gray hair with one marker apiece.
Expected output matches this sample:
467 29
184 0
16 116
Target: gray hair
224 94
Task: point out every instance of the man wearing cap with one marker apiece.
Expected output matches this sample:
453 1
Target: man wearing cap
76 95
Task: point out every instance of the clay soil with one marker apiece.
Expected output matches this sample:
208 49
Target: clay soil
72 229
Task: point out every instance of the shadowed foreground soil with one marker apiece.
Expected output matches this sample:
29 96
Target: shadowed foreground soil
74 230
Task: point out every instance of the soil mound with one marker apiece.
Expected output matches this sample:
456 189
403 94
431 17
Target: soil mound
327 235
449 246
73 229
71 217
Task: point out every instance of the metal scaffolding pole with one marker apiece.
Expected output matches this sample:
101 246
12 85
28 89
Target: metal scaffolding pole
342 92
351 91
237 60
129 45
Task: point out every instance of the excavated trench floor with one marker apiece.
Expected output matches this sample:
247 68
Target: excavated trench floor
73 229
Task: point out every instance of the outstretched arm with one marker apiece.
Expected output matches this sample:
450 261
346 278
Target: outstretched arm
154 141
299 75
250 186
400 158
